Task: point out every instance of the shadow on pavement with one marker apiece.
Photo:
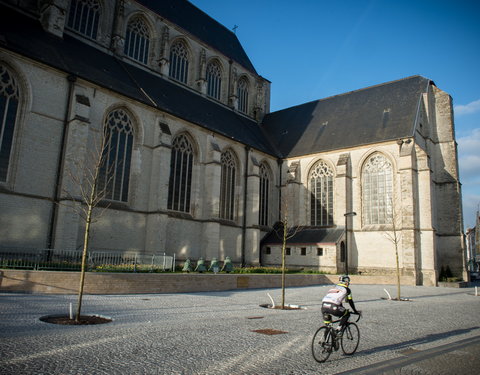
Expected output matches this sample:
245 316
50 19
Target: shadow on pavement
417 341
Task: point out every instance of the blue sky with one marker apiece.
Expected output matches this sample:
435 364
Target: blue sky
312 49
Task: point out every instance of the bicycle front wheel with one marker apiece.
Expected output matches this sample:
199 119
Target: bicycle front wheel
350 339
322 344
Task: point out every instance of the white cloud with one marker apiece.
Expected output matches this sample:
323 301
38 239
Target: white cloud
469 167
471 204
469 163
469 156
470 144
468 108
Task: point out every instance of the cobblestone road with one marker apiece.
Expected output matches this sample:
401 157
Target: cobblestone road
436 332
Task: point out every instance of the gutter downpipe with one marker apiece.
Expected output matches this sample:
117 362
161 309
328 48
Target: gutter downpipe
244 224
71 78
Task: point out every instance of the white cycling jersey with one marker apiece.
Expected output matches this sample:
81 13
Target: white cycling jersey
336 295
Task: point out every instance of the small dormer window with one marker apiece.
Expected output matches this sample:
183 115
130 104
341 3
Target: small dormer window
84 16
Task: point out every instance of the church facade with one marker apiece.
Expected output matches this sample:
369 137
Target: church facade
195 164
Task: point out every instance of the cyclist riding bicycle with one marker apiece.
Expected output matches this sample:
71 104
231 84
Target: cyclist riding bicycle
332 303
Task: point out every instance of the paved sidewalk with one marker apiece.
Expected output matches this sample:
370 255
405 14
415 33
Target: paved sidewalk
436 332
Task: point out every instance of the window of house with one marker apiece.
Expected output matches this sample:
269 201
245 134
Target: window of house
264 191
377 189
319 251
9 103
303 251
214 80
179 62
287 251
242 94
114 175
321 194
181 168
268 250
83 17
137 40
227 188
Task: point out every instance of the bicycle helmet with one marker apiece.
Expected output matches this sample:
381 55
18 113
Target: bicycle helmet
344 279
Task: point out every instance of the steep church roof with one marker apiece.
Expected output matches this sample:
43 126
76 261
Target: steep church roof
196 22
366 116
26 37
371 115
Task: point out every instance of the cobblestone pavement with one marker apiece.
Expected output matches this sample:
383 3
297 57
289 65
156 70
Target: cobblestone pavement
436 332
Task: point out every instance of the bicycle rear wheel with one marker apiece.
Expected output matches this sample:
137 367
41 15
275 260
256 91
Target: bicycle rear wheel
350 338
322 344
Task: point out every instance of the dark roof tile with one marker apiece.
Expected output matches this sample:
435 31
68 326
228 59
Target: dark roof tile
375 114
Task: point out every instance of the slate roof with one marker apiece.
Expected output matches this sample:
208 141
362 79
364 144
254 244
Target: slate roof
305 236
196 22
367 116
374 114
26 37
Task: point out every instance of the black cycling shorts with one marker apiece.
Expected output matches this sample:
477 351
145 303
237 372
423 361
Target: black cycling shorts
331 308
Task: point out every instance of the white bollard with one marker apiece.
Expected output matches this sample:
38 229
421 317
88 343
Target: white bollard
388 294
271 299
476 290
71 311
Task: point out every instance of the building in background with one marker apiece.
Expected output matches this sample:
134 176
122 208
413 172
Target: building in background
473 249
197 165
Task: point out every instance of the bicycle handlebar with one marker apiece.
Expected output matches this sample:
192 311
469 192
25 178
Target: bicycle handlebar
359 314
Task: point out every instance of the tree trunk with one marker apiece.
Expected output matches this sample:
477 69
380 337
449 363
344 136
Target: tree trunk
84 262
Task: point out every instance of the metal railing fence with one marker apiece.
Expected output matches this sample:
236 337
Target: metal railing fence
71 260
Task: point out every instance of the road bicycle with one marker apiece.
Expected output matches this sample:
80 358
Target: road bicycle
328 338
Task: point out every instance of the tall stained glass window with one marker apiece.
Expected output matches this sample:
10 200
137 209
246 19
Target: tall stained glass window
83 17
9 103
181 168
264 192
179 62
321 194
242 94
214 80
377 189
227 188
117 155
137 40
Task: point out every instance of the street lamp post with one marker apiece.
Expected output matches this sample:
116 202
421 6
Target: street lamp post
346 238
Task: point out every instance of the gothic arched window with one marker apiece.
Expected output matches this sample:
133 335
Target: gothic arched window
242 94
214 80
179 62
227 187
137 40
114 176
9 102
377 189
181 168
84 16
321 194
264 192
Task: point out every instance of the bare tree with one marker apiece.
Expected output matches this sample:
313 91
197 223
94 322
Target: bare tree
394 236
286 230
89 191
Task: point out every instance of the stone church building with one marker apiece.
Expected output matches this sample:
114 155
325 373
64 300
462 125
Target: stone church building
196 165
